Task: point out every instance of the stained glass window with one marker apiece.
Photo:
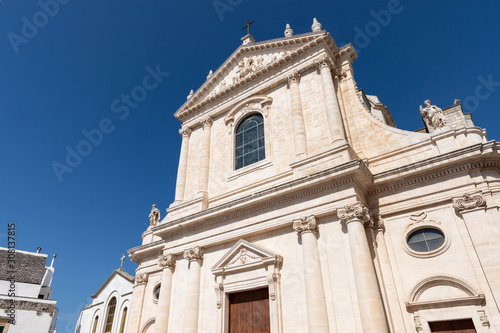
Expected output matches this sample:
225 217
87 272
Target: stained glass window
250 146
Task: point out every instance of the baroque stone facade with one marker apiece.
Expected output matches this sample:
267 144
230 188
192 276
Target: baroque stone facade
292 180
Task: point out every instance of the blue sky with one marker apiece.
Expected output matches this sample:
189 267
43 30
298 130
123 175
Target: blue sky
62 77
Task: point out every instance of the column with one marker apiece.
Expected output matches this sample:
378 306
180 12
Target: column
331 102
481 230
205 155
183 160
317 315
168 263
371 308
134 321
299 127
195 257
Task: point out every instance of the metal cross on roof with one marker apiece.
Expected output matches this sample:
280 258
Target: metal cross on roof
248 26
122 258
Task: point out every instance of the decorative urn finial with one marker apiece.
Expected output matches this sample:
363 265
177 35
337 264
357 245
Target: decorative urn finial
316 25
210 74
288 31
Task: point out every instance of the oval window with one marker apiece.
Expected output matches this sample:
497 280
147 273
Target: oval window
157 292
426 240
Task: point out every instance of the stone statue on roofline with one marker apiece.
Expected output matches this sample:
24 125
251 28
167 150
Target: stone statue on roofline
154 216
433 115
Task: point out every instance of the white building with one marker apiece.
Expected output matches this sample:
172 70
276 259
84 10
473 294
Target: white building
25 292
110 306
300 207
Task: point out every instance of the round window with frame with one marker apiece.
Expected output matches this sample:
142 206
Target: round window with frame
426 241
249 141
156 293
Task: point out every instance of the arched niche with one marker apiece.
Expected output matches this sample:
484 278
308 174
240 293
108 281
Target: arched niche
441 291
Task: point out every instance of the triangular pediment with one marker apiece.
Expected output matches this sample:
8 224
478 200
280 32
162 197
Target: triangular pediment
249 62
245 255
115 275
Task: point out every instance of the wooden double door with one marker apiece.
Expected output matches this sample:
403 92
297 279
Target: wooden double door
249 312
454 326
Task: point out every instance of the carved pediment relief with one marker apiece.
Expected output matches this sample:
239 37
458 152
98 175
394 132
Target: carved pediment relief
242 69
244 255
247 63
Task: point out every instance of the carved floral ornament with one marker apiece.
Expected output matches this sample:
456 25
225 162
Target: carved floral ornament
244 68
322 63
354 212
185 132
469 201
207 122
305 224
141 278
167 260
196 253
293 77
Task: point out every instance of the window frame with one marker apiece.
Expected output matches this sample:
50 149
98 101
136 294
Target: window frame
428 224
237 127
108 307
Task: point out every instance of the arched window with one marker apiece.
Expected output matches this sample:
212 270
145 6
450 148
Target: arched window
124 319
94 329
250 147
110 316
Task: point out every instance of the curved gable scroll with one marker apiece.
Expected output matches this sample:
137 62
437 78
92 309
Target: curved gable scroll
258 103
441 291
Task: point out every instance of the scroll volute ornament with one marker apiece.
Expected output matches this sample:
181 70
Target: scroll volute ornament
141 278
207 122
195 253
306 224
167 260
354 212
469 201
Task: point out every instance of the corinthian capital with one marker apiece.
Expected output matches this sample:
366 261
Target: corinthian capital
167 260
185 132
322 63
294 77
207 122
196 253
469 201
305 224
354 212
141 278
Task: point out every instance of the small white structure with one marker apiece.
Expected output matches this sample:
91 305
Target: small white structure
109 310
25 304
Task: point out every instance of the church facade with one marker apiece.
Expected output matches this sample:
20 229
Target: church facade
300 207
